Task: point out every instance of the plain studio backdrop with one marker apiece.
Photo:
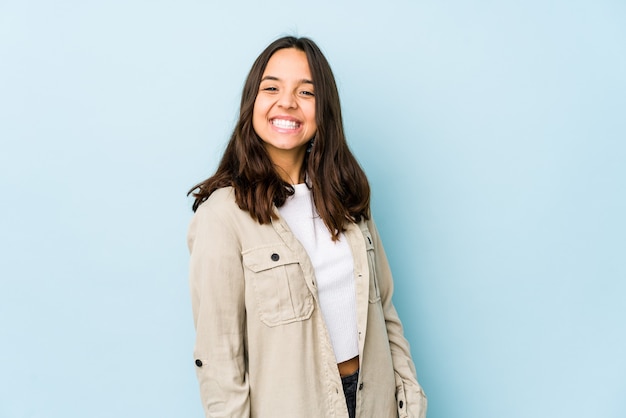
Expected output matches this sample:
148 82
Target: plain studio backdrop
493 134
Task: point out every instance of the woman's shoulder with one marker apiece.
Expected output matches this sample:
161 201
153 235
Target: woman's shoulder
222 199
366 223
217 214
219 207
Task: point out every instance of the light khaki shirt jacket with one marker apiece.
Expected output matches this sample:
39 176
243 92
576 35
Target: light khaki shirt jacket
262 349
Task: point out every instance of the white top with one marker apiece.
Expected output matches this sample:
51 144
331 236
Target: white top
334 270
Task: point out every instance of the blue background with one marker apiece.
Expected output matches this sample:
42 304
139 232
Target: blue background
493 135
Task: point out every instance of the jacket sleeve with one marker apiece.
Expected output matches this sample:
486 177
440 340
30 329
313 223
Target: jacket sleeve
217 295
411 400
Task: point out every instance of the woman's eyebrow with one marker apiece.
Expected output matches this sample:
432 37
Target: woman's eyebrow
273 78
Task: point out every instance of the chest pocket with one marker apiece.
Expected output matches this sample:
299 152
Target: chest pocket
276 277
374 295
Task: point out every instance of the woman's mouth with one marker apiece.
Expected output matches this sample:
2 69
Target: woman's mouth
285 123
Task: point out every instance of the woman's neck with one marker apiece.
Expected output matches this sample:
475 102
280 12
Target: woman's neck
289 168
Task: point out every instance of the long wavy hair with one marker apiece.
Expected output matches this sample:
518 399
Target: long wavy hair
340 189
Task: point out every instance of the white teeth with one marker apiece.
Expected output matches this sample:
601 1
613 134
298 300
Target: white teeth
286 124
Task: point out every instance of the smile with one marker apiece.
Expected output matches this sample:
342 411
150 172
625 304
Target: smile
285 124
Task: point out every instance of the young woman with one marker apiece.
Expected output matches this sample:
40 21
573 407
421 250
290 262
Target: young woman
291 289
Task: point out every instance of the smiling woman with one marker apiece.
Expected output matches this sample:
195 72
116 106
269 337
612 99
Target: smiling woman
291 289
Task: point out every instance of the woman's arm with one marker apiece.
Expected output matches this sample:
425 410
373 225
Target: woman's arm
217 295
411 399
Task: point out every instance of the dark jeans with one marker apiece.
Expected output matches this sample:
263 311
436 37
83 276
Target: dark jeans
350 384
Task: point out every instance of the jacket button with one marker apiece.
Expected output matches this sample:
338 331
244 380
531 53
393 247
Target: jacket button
361 386
401 404
275 257
198 362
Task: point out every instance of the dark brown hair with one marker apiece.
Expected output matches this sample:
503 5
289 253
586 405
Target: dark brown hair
340 189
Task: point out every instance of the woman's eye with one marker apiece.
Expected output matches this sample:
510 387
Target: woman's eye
270 89
308 93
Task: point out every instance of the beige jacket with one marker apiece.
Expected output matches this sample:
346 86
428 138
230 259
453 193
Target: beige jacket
262 349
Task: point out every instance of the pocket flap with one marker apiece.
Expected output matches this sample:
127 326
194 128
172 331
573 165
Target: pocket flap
267 257
369 242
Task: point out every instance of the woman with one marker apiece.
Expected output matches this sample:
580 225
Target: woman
291 290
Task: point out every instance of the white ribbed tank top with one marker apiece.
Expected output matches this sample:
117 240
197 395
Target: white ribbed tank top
334 270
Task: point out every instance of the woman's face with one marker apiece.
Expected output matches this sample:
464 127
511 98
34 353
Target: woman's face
284 109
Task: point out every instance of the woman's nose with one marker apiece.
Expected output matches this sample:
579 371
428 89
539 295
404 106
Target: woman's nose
287 100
